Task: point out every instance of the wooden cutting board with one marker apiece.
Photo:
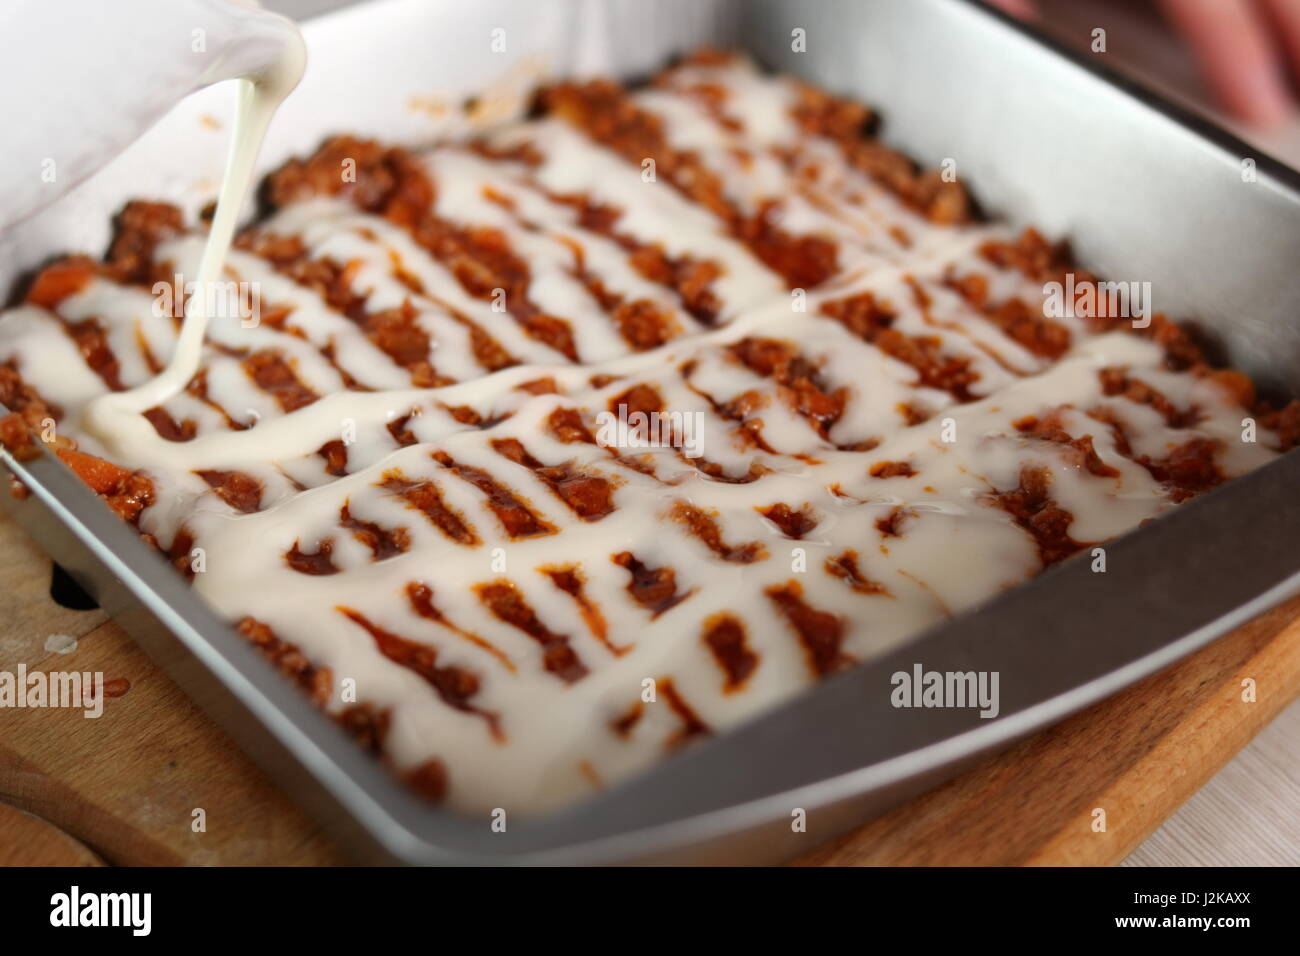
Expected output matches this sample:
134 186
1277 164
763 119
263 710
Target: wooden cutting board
125 788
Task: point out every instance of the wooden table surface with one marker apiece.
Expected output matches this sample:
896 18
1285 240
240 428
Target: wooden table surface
1248 814
125 788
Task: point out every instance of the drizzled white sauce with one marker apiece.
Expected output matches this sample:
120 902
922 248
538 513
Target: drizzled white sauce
954 550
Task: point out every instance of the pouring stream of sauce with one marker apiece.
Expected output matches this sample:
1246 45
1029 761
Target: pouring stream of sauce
113 418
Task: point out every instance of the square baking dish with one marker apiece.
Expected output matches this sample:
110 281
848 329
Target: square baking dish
1143 191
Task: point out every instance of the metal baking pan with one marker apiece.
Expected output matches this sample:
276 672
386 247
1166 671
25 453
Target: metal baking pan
1143 191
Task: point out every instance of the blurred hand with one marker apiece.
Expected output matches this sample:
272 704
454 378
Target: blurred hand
1244 48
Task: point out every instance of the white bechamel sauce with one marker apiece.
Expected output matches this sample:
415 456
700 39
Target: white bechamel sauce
956 548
